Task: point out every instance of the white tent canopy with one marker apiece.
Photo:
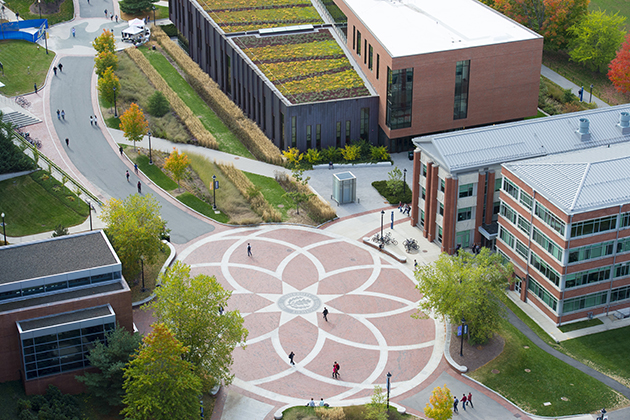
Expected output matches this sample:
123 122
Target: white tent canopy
132 30
137 23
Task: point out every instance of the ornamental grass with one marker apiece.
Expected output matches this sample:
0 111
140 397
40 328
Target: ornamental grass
245 129
248 190
318 209
242 4
192 123
328 48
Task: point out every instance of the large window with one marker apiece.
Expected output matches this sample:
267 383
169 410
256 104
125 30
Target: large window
623 245
625 220
463 238
464 214
622 270
526 200
293 131
365 124
621 293
542 293
309 136
521 249
497 184
589 227
591 251
584 302
370 57
524 225
544 268
508 212
547 244
399 98
318 136
347 131
510 188
462 77
550 219
338 138
586 277
439 235
506 237
466 190
359 42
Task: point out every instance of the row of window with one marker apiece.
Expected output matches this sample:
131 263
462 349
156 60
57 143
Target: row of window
547 244
586 277
369 57
83 281
544 268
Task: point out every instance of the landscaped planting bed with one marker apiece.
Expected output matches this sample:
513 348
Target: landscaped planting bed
305 67
243 15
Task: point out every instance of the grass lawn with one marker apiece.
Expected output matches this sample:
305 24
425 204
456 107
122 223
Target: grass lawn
202 207
24 66
530 323
549 379
152 171
355 412
228 142
66 11
606 351
613 6
539 114
579 325
161 12
381 187
272 191
35 205
151 272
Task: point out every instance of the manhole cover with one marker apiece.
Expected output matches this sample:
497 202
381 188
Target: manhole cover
495 371
424 250
528 370
299 303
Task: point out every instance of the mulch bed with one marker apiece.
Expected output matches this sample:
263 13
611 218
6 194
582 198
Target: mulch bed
475 356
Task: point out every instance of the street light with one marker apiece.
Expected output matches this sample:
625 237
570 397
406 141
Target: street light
115 113
39 3
389 375
591 97
382 214
4 229
214 192
404 180
150 156
461 349
153 15
142 267
90 210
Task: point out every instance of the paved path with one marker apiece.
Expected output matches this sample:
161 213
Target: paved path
567 84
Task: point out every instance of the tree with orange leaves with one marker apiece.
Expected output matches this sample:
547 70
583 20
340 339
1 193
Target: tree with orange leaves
105 42
133 123
441 402
619 68
550 18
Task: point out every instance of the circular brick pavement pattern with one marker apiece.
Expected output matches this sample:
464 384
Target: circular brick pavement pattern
281 291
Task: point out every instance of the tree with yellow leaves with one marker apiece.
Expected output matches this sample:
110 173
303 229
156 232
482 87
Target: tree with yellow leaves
441 402
133 123
176 164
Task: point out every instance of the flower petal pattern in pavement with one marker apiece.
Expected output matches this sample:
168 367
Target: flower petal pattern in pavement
281 290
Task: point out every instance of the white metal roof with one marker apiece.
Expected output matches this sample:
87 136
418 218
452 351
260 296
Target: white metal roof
473 149
580 181
410 27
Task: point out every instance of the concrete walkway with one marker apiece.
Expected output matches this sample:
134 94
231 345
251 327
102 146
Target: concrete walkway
567 84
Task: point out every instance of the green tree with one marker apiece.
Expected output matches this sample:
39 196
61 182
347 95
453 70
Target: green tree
60 230
158 104
133 123
106 84
395 181
134 227
134 7
104 61
597 39
110 359
105 42
376 409
190 307
351 152
12 159
54 405
176 164
159 383
379 153
299 192
466 285
441 402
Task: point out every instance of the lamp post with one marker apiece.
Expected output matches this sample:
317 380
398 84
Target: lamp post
461 349
590 98
4 230
90 210
115 113
153 15
150 155
142 267
46 39
389 375
404 180
39 4
214 192
382 214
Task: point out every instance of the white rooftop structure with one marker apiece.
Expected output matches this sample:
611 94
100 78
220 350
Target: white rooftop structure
479 148
580 181
411 27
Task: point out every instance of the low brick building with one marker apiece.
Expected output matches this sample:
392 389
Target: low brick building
57 296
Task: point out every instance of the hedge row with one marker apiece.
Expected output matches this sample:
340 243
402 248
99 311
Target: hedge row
245 129
253 195
319 210
203 136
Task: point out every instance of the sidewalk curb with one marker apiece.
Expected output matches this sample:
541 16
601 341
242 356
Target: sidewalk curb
447 352
166 265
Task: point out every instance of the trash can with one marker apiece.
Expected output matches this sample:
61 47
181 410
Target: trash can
410 155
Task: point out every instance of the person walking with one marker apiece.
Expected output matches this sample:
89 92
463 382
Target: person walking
455 402
335 374
135 168
470 400
67 142
139 188
55 70
60 68
63 115
337 369
91 120
74 32
95 121
120 149
291 356
35 86
58 115
325 313
127 175
249 250
105 13
464 402
116 17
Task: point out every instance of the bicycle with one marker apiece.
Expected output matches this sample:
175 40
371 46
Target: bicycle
22 101
410 244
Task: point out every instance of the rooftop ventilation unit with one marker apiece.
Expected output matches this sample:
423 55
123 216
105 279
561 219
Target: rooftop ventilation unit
624 123
583 132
